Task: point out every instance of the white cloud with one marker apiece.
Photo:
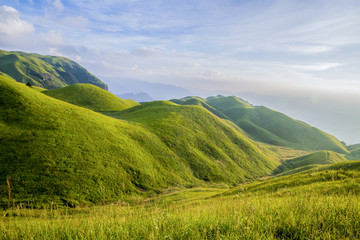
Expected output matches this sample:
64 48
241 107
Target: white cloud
146 52
58 5
316 67
51 38
310 49
75 22
13 30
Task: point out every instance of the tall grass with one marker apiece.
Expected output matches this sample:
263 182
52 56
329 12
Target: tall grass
270 216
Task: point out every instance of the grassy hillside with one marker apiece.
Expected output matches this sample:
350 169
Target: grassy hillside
197 101
45 71
337 178
268 126
354 154
55 151
213 150
309 161
92 97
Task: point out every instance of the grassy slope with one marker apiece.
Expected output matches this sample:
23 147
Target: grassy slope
45 71
308 161
90 96
337 178
354 154
52 150
268 126
214 150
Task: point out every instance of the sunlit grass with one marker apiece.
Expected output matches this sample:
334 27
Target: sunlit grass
270 216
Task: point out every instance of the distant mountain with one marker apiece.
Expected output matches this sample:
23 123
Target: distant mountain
53 151
49 72
92 97
138 97
157 91
268 126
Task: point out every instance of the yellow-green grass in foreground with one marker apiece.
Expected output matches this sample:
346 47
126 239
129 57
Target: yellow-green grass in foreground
325 205
303 216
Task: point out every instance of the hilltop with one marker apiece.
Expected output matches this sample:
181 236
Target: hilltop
92 97
268 126
56 151
49 72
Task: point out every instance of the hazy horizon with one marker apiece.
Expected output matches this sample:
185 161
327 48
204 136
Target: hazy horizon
297 57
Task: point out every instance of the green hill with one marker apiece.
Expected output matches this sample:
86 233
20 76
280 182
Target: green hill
214 150
55 151
45 71
309 161
268 126
354 154
337 178
353 146
92 97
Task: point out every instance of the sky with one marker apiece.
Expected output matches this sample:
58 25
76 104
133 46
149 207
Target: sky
300 57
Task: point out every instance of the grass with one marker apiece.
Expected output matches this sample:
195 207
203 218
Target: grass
57 152
45 71
92 97
266 210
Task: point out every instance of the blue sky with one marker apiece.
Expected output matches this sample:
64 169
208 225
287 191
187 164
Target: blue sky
284 54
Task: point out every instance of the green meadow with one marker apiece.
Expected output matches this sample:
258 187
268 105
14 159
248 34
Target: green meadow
324 206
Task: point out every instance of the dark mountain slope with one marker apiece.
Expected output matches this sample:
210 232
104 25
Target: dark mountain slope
45 71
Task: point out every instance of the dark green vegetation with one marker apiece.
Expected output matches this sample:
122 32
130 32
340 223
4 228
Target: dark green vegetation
309 161
268 126
92 97
55 151
45 71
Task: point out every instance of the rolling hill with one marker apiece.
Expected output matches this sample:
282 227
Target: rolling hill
354 154
268 126
49 72
55 151
214 150
309 161
90 96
